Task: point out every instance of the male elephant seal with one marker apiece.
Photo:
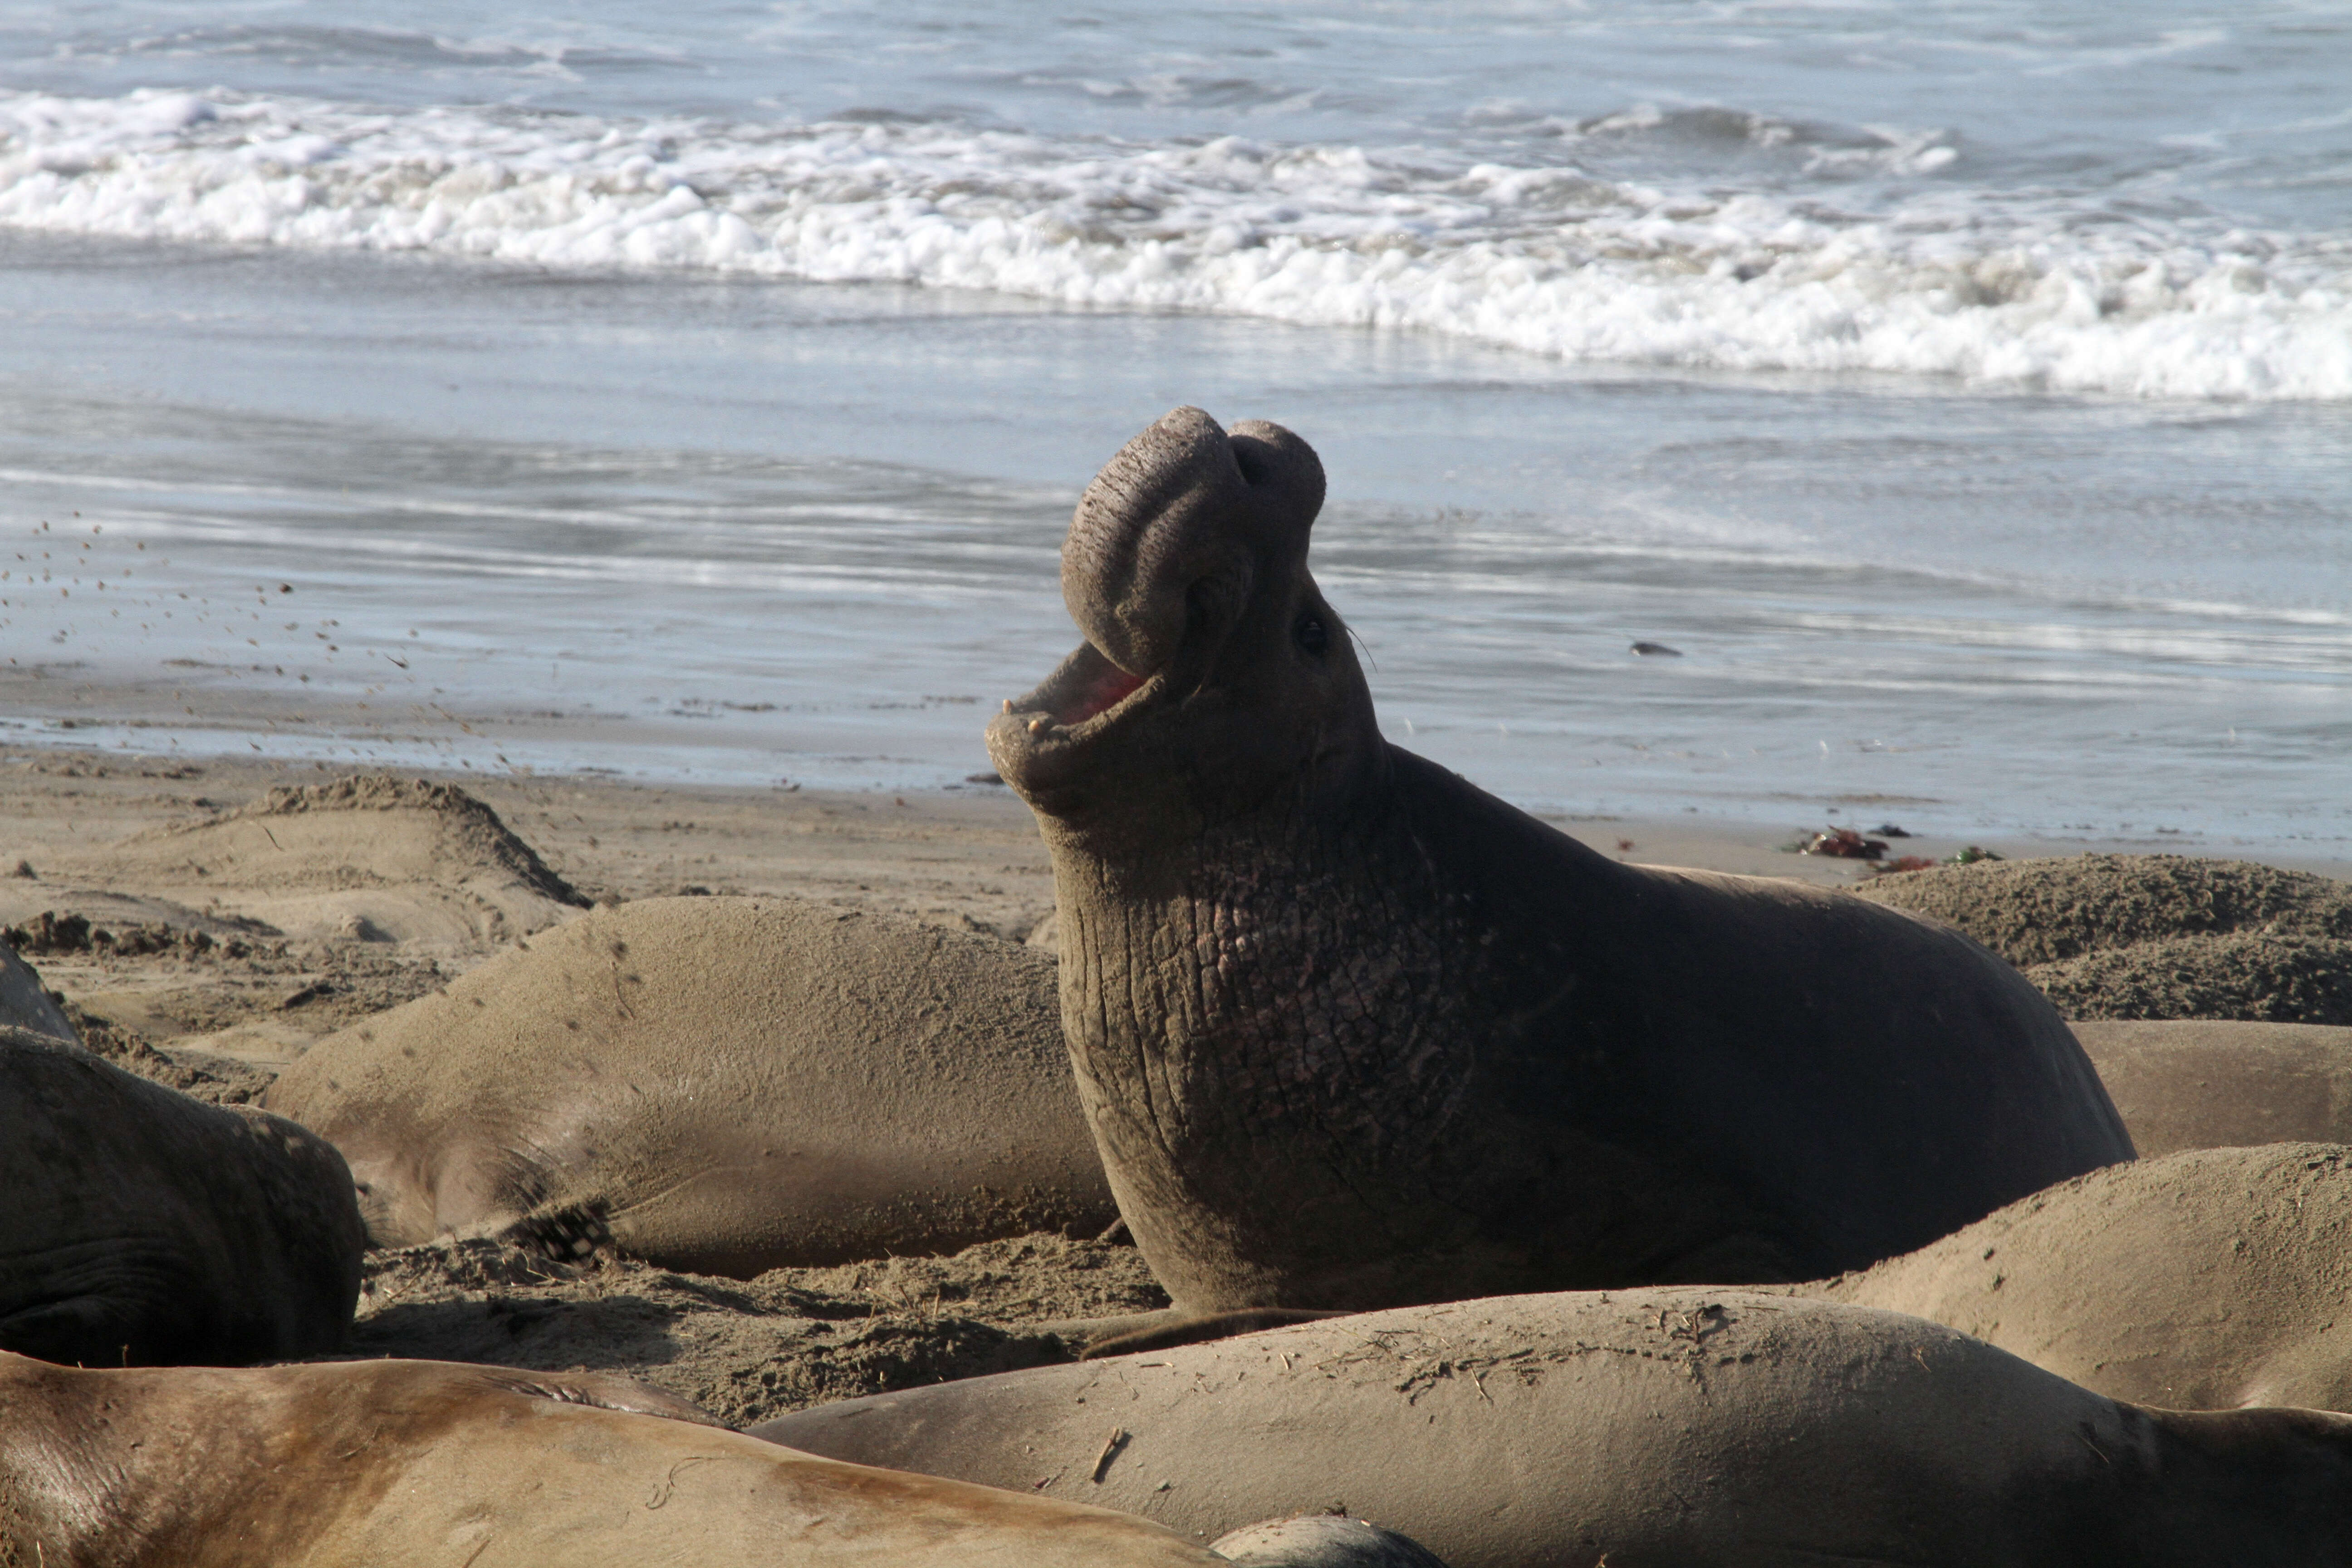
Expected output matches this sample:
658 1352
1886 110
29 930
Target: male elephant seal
396 1464
720 1085
1351 1032
1648 1428
140 1226
2208 1280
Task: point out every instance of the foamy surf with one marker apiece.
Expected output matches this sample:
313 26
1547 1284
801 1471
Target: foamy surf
2028 289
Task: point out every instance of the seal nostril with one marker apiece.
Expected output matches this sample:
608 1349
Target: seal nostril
1312 635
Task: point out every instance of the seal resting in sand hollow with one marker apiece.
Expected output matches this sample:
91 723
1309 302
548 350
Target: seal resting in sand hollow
1645 1428
718 1085
403 1464
1351 1032
138 1225
2213 1083
2203 1281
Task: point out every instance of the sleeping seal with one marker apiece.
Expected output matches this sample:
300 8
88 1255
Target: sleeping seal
718 1085
1642 1428
2208 1280
138 1225
1351 1032
402 1463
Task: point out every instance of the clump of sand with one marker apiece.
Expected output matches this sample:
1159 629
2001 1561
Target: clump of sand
2153 936
747 1351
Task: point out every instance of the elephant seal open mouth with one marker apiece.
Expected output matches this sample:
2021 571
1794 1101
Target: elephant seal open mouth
1352 1033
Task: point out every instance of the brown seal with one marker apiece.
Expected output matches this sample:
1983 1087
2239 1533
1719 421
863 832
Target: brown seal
399 1464
720 1085
142 1226
1352 1032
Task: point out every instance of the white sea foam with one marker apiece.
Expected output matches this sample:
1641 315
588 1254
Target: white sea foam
2000 288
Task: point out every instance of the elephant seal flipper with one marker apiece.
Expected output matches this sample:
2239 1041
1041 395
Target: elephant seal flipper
1350 1032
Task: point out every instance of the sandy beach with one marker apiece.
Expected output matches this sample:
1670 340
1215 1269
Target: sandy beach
347 924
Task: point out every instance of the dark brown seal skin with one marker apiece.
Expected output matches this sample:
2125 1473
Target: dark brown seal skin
1352 1033
138 1227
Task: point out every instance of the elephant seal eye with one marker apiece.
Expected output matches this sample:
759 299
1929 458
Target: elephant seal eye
1312 635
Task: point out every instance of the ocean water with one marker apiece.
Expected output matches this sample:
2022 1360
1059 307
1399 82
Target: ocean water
1964 390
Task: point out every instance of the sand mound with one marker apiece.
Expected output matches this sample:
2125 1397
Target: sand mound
2153 936
2250 977
471 834
369 858
749 1350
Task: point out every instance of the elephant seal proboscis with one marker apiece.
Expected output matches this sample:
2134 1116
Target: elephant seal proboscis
1352 1033
399 1464
2211 1083
2202 1280
1648 1428
723 1084
142 1226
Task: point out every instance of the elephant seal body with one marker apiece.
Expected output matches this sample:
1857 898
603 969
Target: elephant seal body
2203 1281
1648 1428
1351 1032
427 1465
2200 1083
720 1085
142 1226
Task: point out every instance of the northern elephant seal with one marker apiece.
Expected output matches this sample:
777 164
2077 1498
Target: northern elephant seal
400 1464
2210 1083
2201 1280
722 1084
1351 1032
1651 1428
140 1226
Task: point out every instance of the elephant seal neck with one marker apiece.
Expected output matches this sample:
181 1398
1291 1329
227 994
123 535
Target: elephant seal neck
1283 1019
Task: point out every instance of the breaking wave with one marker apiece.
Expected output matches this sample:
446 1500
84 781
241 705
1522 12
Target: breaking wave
2033 289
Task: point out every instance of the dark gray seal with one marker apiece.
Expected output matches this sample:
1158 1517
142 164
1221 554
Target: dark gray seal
142 1226
1351 1032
